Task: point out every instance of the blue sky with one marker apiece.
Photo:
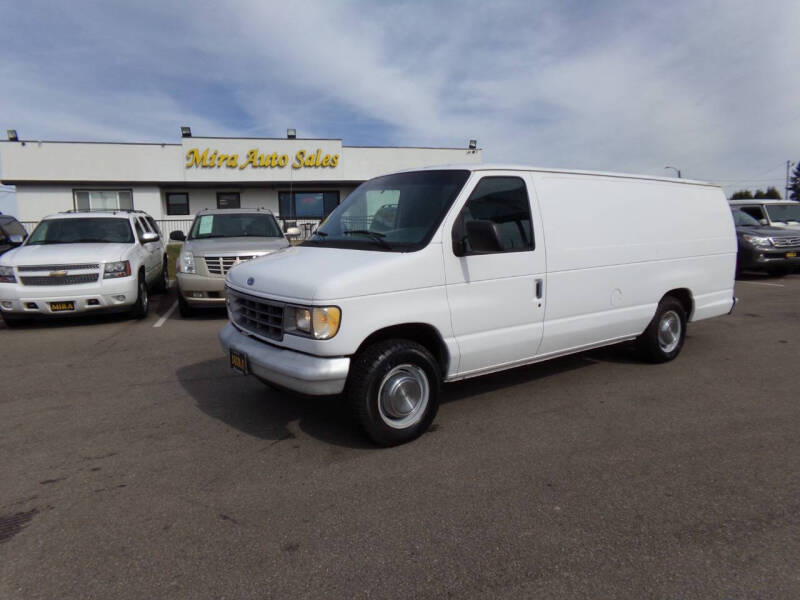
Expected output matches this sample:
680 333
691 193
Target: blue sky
710 87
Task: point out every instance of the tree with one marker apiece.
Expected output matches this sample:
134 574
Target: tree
759 195
794 184
742 195
772 193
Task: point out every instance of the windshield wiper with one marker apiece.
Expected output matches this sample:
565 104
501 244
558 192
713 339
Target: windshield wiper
376 237
90 241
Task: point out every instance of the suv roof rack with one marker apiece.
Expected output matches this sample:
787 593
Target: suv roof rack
105 210
256 208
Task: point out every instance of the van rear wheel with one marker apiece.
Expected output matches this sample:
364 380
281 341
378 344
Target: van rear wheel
393 391
663 339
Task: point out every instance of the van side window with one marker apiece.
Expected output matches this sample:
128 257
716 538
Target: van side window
503 202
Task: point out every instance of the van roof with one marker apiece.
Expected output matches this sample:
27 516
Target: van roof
516 167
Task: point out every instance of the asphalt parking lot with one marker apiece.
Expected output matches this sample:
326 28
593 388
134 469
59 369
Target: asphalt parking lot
135 464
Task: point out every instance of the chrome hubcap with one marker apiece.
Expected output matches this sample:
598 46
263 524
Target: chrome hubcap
403 396
669 331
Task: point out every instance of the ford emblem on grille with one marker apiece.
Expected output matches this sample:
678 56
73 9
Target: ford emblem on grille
250 281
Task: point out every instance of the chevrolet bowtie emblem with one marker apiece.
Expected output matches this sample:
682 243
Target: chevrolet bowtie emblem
58 273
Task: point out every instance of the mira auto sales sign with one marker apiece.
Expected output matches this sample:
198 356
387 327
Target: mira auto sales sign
256 158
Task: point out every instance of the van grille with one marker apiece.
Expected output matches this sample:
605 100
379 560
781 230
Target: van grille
256 315
785 242
57 267
220 265
63 280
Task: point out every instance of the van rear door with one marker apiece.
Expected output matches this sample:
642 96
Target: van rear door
495 272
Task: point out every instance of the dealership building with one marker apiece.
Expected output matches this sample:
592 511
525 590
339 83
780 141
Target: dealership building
299 180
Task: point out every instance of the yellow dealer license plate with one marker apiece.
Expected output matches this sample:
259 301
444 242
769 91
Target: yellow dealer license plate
238 361
62 306
791 254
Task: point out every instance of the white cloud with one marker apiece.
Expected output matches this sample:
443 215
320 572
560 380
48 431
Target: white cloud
705 86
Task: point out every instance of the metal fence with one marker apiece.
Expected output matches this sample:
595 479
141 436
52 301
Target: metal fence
307 227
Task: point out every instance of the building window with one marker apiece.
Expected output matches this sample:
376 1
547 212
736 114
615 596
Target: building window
103 199
228 200
307 205
178 203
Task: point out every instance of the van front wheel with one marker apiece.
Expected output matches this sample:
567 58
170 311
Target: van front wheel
664 336
393 391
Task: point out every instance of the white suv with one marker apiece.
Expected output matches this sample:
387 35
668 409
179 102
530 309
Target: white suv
79 262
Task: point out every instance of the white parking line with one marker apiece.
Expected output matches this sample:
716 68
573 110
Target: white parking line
166 315
762 283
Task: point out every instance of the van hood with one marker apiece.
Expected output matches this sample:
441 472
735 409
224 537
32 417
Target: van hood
312 273
65 254
235 245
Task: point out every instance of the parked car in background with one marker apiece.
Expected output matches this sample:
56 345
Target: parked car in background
80 262
219 240
12 233
775 250
774 213
442 274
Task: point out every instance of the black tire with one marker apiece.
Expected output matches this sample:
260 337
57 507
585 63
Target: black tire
663 339
184 308
162 285
13 320
780 271
142 305
408 368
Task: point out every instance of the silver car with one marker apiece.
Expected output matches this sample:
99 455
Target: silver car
218 240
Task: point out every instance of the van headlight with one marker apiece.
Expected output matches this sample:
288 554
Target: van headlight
319 322
756 240
7 275
186 262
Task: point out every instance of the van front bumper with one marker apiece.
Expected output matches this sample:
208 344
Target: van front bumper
303 373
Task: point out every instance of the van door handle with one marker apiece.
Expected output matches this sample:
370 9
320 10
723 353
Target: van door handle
539 289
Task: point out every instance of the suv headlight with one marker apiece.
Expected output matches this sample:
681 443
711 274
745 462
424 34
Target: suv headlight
7 275
117 269
756 240
186 262
319 322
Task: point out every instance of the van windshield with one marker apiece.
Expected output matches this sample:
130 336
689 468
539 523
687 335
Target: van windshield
396 213
784 213
84 230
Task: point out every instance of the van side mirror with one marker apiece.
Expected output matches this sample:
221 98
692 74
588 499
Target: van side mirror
483 237
763 222
15 239
292 232
177 236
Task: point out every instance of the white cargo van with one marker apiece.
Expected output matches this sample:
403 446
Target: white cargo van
440 274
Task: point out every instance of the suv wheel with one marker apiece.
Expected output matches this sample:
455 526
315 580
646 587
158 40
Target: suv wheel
163 281
183 306
12 320
393 391
140 308
664 336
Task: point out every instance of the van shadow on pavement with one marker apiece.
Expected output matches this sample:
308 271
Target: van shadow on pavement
256 409
264 412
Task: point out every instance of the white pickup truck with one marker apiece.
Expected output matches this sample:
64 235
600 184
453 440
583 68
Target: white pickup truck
436 275
82 262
